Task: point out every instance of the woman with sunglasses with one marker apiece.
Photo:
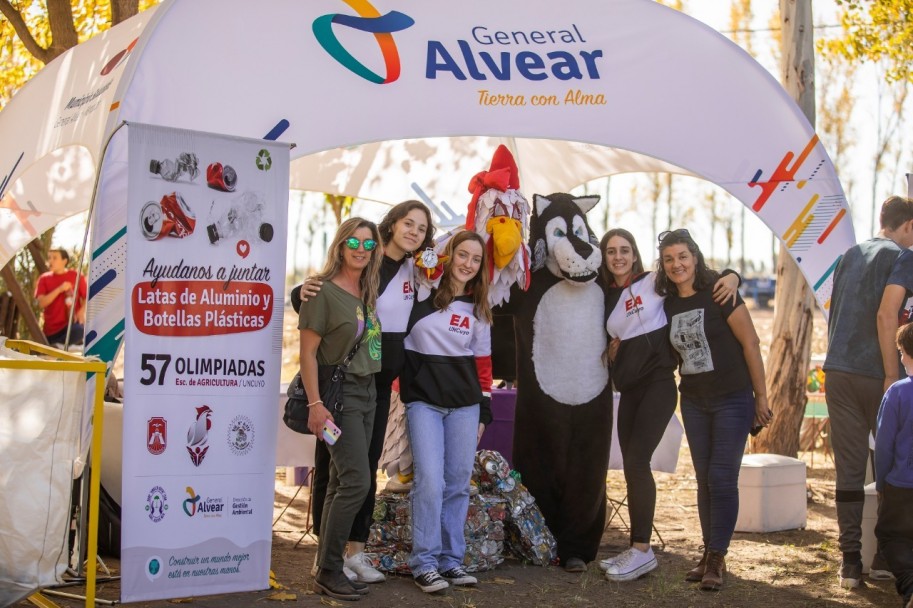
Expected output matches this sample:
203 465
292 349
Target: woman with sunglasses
405 229
723 390
446 389
331 324
643 365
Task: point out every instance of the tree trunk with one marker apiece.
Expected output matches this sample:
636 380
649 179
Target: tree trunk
123 9
63 29
787 363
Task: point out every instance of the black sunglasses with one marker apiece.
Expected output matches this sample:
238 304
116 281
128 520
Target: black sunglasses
680 232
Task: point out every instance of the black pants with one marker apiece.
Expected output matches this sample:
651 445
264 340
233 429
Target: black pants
894 531
643 415
361 527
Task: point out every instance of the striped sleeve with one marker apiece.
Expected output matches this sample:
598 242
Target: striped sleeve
481 349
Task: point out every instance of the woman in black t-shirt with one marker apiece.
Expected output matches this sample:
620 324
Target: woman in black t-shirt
722 387
643 371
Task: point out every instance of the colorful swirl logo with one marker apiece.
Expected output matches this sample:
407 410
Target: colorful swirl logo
369 20
190 504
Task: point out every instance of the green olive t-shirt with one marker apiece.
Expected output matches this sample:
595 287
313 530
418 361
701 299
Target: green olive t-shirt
339 318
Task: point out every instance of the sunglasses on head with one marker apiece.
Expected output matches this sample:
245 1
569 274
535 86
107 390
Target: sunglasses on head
680 232
353 243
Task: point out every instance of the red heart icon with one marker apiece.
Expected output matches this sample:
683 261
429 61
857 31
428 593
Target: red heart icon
243 248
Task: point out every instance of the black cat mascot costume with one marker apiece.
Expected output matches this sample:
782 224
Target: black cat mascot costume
563 420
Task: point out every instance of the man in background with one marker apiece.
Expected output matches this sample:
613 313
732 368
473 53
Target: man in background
56 296
872 284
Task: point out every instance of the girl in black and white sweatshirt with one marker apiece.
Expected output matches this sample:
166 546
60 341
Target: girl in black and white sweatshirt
446 387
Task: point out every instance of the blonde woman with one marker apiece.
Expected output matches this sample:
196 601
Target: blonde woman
331 323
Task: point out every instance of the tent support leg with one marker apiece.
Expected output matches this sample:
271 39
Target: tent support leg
73 596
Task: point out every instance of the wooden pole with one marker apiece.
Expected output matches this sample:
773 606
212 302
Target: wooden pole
790 349
23 303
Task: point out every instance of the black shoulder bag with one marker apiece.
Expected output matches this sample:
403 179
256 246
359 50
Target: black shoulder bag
329 383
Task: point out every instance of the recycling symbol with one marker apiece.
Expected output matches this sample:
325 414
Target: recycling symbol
264 160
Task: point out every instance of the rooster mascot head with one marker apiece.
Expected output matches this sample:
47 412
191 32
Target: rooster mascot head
499 212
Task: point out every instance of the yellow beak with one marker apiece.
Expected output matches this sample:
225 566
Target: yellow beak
507 234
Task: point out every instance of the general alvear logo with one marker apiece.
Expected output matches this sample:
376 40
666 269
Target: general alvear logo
368 20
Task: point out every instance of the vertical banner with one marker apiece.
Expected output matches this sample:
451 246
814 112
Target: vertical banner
206 240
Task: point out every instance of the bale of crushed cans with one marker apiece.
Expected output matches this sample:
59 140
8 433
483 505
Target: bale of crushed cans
501 514
527 535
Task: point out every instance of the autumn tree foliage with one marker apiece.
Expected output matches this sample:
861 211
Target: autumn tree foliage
35 32
879 31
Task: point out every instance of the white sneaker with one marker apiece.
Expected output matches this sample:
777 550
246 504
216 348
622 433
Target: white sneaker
345 570
880 575
364 571
632 564
878 569
604 564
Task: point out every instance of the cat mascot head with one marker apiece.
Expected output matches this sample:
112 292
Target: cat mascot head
561 238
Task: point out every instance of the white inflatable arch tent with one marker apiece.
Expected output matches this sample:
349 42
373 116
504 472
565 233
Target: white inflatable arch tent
635 86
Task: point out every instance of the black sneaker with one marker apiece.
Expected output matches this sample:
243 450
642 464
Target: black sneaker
335 584
850 575
431 581
459 577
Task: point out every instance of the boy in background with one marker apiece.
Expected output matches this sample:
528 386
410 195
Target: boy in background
56 295
894 473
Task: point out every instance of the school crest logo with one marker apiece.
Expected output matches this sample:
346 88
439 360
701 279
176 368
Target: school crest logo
240 435
156 435
156 504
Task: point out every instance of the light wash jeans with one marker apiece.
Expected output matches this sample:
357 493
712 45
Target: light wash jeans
443 450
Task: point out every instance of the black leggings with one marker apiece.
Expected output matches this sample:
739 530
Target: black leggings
643 414
361 527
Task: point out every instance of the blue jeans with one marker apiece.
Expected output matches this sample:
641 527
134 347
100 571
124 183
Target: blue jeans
443 450
717 429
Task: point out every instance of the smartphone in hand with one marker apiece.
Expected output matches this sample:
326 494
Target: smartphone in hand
331 432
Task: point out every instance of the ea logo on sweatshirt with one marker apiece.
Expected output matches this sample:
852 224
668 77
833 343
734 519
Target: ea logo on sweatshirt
459 324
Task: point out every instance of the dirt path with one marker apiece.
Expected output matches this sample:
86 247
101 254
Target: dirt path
784 569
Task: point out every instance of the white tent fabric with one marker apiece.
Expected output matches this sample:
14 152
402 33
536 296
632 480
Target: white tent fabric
658 87
443 166
39 439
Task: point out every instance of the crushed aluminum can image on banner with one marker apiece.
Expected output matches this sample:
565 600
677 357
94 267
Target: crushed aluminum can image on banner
169 217
221 177
502 519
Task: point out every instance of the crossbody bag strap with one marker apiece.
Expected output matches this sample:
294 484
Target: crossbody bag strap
345 362
350 356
